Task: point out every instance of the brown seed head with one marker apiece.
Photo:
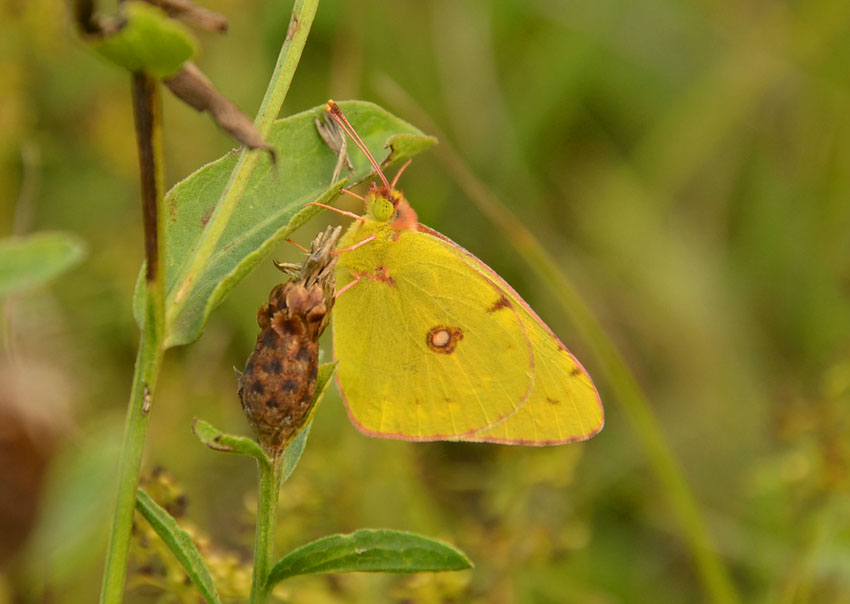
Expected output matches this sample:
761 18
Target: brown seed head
279 381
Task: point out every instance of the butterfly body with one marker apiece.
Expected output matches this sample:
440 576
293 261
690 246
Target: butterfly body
433 345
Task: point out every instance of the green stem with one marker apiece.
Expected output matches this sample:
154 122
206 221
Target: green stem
148 363
148 118
711 570
290 54
270 479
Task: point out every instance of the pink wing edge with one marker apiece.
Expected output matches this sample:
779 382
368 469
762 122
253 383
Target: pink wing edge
470 436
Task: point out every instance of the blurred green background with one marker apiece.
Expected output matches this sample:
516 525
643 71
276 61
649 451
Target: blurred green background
687 164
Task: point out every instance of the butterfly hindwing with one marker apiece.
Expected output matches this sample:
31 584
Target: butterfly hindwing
563 405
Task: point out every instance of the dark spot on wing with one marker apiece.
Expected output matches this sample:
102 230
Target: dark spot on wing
303 354
499 304
575 372
553 401
289 386
258 387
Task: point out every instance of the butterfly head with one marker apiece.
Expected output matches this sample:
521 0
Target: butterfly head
384 203
387 204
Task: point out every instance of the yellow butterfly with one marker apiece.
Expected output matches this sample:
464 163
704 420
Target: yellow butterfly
433 345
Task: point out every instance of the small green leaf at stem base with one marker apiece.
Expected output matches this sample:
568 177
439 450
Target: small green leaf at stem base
370 550
228 443
180 544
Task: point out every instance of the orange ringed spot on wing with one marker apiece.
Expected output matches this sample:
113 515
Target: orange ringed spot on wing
444 339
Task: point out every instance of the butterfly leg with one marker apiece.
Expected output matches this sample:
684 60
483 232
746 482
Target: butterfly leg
337 210
371 237
298 245
353 194
347 286
288 267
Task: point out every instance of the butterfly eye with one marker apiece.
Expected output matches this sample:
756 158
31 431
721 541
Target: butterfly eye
382 209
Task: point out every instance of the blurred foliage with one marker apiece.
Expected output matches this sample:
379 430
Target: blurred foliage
26 262
687 162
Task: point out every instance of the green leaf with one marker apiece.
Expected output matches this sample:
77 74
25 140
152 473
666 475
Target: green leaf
180 544
370 550
149 41
274 205
32 260
292 453
229 443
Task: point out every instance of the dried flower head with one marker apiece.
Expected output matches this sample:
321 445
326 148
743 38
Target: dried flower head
277 386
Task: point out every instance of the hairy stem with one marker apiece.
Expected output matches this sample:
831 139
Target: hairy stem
148 120
290 54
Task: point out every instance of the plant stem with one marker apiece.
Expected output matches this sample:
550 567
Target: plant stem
148 363
290 54
270 479
147 109
710 568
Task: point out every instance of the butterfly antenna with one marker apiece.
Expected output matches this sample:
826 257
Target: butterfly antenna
399 173
336 114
